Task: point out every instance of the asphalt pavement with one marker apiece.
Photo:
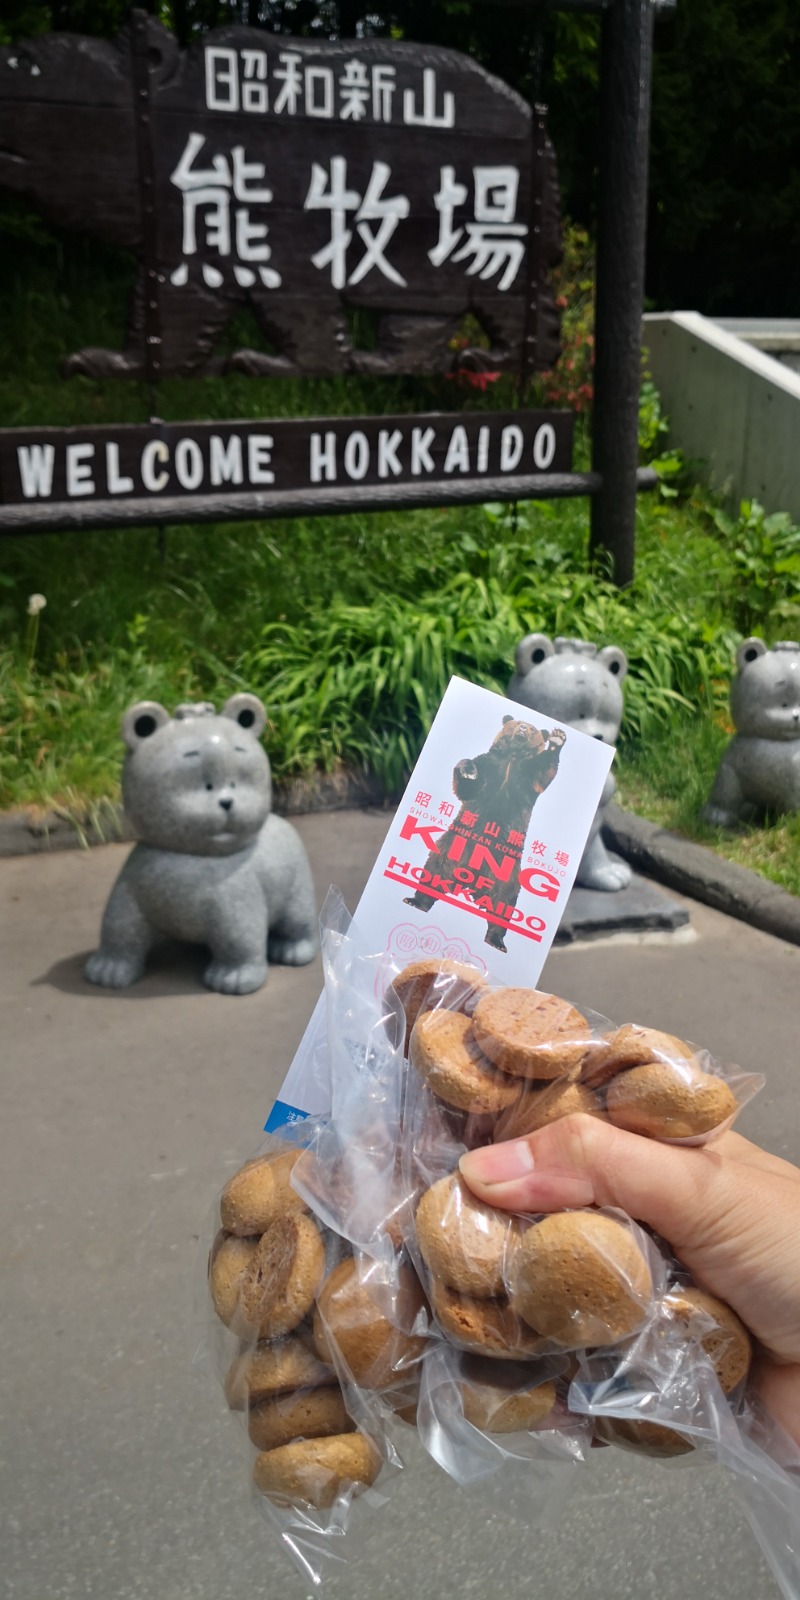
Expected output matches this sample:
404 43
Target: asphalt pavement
121 1473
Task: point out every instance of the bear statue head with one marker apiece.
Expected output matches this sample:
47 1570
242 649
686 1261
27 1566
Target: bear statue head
765 694
572 680
198 782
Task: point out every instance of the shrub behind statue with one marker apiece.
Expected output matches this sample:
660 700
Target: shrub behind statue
214 865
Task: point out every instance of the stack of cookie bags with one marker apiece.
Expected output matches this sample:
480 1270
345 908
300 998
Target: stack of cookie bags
649 1360
308 1362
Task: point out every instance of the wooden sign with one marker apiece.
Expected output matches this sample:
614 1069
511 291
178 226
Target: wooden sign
99 476
361 198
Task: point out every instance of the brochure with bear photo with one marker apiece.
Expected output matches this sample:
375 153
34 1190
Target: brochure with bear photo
479 860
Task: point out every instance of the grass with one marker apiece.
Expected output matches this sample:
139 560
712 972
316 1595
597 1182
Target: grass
349 627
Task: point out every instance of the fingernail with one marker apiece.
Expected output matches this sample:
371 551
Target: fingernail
498 1163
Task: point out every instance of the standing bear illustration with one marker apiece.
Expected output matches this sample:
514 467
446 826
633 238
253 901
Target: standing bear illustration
498 790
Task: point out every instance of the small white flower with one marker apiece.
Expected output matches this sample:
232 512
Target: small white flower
36 603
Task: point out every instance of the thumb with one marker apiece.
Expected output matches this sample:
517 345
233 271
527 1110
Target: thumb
730 1212
584 1161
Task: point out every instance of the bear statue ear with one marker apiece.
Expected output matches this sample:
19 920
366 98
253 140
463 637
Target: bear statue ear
615 660
532 650
141 721
749 650
247 710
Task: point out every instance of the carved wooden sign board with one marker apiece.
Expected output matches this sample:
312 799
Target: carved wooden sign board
316 185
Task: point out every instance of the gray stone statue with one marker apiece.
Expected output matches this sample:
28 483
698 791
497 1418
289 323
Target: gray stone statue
760 769
572 680
215 866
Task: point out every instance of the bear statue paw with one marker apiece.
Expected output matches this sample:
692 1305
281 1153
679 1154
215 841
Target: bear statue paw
717 817
292 952
611 876
112 972
244 978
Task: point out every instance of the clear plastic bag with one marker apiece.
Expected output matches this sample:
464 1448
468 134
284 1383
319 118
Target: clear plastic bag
512 1343
316 1445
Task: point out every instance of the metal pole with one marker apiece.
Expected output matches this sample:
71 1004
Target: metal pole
625 79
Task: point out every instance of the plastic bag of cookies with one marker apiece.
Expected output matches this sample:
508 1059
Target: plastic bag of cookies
277 1279
520 1058
478 1418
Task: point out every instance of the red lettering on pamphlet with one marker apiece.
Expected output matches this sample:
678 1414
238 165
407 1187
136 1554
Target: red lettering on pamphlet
411 829
549 887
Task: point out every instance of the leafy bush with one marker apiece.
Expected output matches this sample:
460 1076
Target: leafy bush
360 684
764 553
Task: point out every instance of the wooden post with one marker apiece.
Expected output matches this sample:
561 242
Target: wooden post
626 69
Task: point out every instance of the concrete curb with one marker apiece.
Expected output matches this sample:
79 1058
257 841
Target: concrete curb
689 868
695 871
33 831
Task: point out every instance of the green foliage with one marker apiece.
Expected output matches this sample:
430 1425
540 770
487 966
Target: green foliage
764 553
359 684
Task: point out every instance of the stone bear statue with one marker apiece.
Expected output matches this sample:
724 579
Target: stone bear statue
499 788
214 865
574 681
760 769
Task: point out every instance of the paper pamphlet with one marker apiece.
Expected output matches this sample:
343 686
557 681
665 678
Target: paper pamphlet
479 858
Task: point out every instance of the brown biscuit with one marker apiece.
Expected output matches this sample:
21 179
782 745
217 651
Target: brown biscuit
663 1101
484 1327
538 1107
230 1260
579 1278
274 1367
445 1053
374 1351
632 1046
463 1242
305 1414
259 1193
499 1398
435 982
316 1470
280 1285
717 1328
530 1034
642 1437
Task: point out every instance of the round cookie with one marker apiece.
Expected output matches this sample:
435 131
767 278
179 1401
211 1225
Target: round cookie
632 1046
530 1034
662 1101
446 1055
502 1399
304 1414
727 1342
434 982
280 1284
463 1242
274 1367
642 1437
579 1278
375 1352
538 1107
484 1327
259 1193
230 1260
316 1470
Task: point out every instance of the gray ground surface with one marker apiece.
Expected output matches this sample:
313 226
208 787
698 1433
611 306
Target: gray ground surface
121 1474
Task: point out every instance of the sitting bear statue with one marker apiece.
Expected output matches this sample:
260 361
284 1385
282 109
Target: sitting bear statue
214 865
760 769
572 680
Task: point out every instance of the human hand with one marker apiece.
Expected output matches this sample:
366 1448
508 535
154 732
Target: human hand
730 1211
